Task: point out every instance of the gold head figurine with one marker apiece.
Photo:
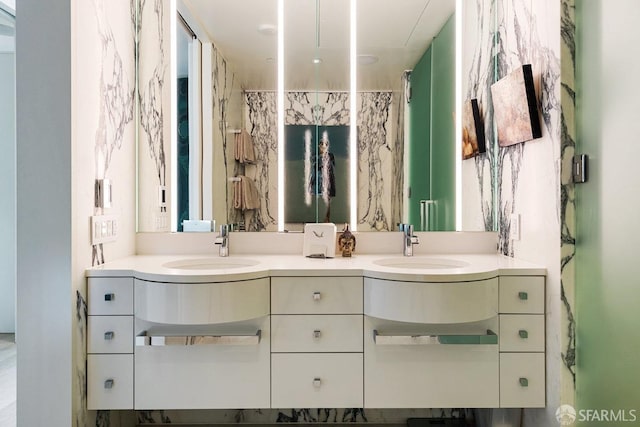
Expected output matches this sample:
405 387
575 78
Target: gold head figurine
347 242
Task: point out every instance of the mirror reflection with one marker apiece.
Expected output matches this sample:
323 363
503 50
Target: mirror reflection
404 104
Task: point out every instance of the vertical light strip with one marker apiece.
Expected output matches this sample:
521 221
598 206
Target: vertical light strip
281 115
172 146
458 120
353 118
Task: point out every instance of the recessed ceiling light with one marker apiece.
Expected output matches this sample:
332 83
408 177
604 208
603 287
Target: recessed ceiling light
317 60
367 59
267 29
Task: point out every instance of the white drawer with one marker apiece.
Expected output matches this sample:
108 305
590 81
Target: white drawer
522 294
316 295
316 333
110 334
326 380
522 332
206 376
522 380
109 381
110 296
428 375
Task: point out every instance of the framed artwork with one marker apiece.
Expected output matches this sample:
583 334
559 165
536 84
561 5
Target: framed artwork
317 171
515 107
473 141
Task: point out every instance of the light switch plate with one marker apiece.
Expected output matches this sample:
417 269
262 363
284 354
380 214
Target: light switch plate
104 228
515 226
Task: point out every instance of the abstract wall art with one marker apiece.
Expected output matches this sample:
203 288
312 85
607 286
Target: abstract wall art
515 107
473 141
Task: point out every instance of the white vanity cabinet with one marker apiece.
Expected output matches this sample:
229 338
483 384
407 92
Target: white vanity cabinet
316 342
522 342
366 335
110 343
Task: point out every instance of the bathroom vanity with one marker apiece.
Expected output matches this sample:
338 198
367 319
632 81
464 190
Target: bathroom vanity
284 331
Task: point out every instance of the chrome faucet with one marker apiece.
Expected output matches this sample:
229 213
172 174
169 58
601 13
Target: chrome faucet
223 240
409 239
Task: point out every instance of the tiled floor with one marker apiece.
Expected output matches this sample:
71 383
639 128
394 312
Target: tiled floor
7 380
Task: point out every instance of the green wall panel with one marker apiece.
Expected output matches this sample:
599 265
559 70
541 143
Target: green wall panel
443 176
419 136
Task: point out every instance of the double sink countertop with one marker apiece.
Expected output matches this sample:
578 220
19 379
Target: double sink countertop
202 268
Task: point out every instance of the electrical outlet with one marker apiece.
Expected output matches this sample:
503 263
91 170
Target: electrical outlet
104 228
515 227
161 220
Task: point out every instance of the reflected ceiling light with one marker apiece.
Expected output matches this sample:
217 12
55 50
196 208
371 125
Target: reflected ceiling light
317 60
280 107
353 122
267 29
458 119
367 59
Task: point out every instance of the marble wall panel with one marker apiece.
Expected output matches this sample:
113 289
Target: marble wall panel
377 148
103 148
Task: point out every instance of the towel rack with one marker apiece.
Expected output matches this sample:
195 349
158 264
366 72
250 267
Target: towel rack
489 337
144 339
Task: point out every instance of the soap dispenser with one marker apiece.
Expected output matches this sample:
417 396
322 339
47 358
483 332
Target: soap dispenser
346 242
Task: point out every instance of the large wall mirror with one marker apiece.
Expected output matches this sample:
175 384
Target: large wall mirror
209 129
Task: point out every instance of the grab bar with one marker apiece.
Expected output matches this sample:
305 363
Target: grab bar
157 340
489 338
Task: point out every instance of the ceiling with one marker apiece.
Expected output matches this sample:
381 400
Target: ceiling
396 32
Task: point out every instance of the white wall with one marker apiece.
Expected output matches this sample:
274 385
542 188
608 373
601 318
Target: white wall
75 124
8 191
43 64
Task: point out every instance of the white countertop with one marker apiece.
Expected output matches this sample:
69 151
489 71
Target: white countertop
476 267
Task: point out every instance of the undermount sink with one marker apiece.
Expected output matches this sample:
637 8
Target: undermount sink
210 263
420 263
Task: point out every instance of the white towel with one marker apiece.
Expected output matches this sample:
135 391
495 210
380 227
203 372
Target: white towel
245 194
243 148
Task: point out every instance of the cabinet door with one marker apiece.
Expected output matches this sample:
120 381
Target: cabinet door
522 294
316 333
109 381
429 375
205 376
110 334
522 332
316 380
110 296
522 380
316 295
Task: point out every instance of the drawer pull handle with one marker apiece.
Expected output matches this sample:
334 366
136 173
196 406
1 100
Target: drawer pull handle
317 382
108 335
317 296
109 297
523 296
317 334
523 334
160 340
489 338
108 384
524 382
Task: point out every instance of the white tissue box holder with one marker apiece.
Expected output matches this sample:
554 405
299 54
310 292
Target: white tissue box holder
319 240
